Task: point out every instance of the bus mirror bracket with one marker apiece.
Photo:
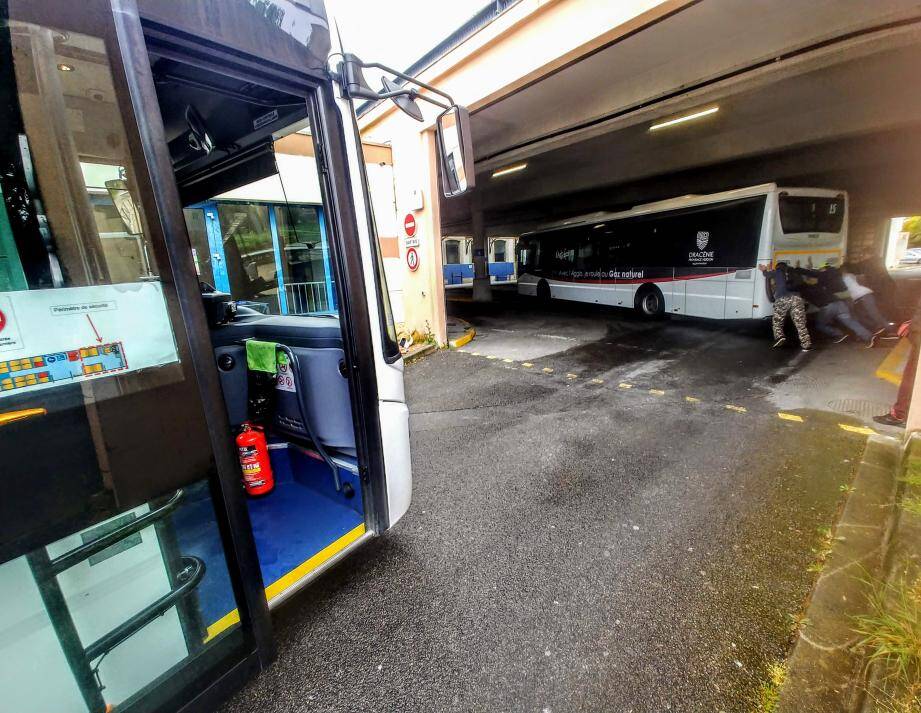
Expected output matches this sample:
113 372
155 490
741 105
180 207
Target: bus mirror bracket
452 127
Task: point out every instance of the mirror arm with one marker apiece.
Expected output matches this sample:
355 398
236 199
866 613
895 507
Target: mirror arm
353 83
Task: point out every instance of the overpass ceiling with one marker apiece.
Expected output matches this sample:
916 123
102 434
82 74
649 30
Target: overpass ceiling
783 73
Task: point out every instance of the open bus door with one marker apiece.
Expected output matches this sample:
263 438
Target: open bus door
111 421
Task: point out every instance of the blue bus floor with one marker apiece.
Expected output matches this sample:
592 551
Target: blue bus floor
291 525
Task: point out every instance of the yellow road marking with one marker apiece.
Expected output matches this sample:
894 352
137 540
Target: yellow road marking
491 356
789 417
692 399
299 572
527 364
737 409
509 361
657 392
890 369
622 385
572 376
862 430
475 353
547 370
597 381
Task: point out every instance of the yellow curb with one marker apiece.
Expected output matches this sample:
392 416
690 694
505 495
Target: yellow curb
547 370
862 430
657 392
509 361
475 353
491 356
692 399
597 381
624 386
527 364
889 369
737 409
465 338
572 376
789 417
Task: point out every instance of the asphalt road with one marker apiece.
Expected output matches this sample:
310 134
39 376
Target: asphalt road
577 545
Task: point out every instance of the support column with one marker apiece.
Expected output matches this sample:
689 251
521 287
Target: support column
482 292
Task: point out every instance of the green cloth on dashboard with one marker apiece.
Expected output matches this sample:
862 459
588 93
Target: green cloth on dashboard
260 356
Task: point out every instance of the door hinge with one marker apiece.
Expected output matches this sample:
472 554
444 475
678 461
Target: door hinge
363 473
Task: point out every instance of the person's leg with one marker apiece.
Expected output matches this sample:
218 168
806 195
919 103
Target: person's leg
867 306
824 319
899 409
798 312
843 316
781 307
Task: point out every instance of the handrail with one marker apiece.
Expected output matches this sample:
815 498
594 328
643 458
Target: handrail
193 570
85 551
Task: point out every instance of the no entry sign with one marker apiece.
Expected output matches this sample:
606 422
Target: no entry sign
412 259
409 224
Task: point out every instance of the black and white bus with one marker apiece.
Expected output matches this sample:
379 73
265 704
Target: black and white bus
693 255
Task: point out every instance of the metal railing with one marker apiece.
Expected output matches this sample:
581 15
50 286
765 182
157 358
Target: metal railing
307 297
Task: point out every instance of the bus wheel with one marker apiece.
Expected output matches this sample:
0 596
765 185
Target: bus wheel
543 292
649 302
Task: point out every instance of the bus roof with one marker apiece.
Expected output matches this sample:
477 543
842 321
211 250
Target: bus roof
685 201
292 33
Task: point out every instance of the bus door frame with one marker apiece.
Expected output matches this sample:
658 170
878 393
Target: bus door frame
339 223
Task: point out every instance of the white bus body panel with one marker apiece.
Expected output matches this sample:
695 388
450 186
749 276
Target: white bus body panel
391 394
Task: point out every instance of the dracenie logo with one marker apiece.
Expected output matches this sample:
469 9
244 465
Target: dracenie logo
703 237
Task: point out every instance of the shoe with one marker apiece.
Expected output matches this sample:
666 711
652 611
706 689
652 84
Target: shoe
873 340
842 338
780 342
887 419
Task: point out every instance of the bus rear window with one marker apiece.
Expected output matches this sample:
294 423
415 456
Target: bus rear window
806 214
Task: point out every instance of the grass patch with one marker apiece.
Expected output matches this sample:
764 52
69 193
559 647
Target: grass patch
912 504
769 691
891 637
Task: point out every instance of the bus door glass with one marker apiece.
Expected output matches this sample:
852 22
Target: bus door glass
114 571
260 236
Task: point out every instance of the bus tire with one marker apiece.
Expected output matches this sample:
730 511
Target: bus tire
649 302
543 292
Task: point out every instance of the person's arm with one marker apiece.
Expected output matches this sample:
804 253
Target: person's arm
769 276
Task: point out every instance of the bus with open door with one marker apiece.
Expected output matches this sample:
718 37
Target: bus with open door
185 308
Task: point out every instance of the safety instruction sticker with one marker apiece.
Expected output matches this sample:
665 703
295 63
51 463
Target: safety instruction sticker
284 379
58 336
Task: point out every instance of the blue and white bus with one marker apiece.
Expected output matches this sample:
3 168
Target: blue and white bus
695 255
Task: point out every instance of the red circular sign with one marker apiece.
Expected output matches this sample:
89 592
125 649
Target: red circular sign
409 224
2 320
412 259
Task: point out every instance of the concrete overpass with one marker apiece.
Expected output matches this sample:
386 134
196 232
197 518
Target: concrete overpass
817 93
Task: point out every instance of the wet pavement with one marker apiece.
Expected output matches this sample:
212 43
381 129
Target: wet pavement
608 515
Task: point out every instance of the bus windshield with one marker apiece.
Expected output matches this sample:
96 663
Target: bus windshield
810 214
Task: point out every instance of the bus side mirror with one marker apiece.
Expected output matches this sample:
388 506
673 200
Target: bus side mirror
455 150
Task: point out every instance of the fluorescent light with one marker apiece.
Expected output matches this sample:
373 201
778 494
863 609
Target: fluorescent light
65 67
686 117
509 169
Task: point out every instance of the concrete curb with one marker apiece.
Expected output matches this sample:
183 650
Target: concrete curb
417 351
466 337
821 671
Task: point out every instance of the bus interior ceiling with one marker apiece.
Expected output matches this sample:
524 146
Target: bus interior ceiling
220 133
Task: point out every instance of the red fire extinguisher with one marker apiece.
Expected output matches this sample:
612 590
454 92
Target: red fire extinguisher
254 460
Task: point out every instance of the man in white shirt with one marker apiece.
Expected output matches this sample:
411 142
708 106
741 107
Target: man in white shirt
865 307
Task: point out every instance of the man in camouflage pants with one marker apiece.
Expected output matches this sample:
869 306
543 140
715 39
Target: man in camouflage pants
786 301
